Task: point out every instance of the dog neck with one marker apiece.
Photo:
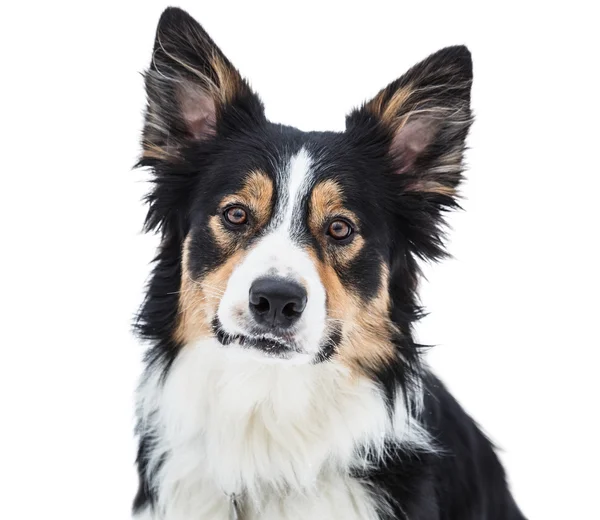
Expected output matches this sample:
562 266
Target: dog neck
252 428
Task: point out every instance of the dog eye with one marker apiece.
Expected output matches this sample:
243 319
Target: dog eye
340 230
235 215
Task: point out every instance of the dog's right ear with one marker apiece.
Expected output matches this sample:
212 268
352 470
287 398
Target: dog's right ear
193 91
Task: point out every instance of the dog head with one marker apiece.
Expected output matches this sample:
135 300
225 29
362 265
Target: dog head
286 245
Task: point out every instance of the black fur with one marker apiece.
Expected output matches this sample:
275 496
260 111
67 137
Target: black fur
462 480
401 212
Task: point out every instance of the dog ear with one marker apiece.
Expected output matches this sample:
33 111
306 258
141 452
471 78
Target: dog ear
190 87
425 117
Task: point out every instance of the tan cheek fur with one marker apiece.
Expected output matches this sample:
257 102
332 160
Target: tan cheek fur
367 336
199 298
366 327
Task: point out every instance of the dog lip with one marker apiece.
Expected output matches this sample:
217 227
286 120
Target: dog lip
267 344
284 337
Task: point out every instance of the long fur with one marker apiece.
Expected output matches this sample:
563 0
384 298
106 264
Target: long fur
338 417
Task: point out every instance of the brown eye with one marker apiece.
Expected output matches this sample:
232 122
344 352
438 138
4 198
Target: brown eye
235 216
340 230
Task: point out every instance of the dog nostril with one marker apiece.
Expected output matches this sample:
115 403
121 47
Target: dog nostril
262 306
289 311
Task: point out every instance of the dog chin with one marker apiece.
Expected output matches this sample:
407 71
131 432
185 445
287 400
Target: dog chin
247 348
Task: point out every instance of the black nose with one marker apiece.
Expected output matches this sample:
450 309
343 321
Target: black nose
276 302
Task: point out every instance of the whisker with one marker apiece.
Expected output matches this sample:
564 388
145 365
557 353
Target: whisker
204 286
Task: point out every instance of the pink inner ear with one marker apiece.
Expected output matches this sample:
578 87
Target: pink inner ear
411 140
198 111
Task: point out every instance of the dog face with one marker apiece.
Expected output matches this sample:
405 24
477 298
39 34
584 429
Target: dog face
285 257
286 245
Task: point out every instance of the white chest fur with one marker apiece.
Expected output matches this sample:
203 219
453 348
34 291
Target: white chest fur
339 498
282 437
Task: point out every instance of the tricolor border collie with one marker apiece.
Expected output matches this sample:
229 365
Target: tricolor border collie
283 381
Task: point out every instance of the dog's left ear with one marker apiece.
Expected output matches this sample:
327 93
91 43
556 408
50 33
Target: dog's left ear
424 118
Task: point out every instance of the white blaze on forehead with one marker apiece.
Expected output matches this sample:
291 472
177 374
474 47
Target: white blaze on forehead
294 186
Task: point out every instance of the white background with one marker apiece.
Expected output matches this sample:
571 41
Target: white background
514 315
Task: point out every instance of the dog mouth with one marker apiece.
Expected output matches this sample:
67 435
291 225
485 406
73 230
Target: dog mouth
281 347
271 346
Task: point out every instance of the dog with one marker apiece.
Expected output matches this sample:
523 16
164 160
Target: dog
282 380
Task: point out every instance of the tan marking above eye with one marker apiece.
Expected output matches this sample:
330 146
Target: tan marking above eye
256 200
256 195
327 204
326 200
